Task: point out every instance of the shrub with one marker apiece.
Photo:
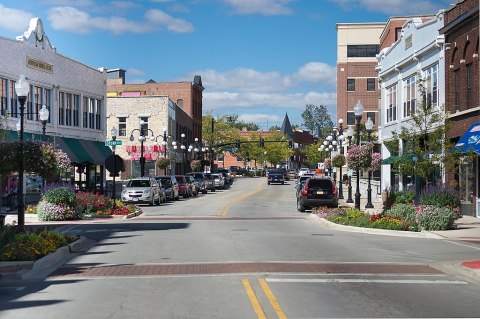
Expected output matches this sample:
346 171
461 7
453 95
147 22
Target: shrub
91 203
436 218
32 246
403 211
50 212
329 213
60 195
404 197
440 196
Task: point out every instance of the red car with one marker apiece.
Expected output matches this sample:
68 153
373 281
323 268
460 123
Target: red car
184 186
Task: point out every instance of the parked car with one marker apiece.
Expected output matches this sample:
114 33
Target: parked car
209 182
171 187
141 190
200 180
303 170
161 191
218 180
301 182
275 176
292 173
193 184
238 171
184 186
228 177
317 191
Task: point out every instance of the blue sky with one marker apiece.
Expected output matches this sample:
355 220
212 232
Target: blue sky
257 58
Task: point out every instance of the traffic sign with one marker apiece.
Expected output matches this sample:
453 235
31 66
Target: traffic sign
113 143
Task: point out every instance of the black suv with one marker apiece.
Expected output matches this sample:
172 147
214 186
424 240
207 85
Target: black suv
317 191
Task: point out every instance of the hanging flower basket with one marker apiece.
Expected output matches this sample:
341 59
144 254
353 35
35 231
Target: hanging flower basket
162 162
196 165
338 160
363 159
376 161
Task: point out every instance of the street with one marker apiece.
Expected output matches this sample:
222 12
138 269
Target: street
245 252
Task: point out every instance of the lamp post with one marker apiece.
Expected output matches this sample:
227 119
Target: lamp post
183 147
22 88
349 136
43 113
142 139
369 127
113 132
340 145
358 110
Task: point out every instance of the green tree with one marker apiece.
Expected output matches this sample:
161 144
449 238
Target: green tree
277 152
313 156
317 117
217 131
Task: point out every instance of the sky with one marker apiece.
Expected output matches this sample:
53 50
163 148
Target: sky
258 59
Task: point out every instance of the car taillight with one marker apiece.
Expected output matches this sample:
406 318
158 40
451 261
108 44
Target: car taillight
305 190
334 189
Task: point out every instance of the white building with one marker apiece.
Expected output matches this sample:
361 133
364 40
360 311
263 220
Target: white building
73 92
417 54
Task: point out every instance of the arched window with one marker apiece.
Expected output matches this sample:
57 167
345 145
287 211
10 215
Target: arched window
454 55
465 52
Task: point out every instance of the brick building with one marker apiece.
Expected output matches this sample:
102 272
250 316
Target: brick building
172 106
357 47
462 100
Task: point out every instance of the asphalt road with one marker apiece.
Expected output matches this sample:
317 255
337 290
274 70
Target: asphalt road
245 252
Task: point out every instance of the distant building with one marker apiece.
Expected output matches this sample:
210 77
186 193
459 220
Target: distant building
174 106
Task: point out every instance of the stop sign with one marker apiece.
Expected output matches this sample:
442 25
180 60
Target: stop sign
114 164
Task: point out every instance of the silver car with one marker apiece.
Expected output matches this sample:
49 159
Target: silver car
141 190
219 181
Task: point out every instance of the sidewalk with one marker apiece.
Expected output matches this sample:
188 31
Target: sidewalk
467 230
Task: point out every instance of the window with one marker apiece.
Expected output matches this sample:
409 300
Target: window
13 100
409 89
363 50
85 111
76 109
431 86
391 101
38 102
48 102
350 118
371 115
122 126
98 112
350 85
456 97
29 105
469 86
398 33
3 97
61 108
91 113
68 110
144 126
371 84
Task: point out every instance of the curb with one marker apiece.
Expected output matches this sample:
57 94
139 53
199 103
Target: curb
457 268
47 264
386 232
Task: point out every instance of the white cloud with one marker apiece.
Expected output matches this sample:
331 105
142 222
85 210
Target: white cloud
13 19
264 7
316 72
74 20
395 7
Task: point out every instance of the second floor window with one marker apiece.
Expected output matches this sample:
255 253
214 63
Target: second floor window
469 86
122 126
370 84
144 126
391 103
456 101
431 86
350 85
61 108
410 94
350 118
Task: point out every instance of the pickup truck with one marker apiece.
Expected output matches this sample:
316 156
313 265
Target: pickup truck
275 176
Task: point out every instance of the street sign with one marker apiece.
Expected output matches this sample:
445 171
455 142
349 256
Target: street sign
113 143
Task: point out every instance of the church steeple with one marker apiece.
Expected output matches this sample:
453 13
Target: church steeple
287 127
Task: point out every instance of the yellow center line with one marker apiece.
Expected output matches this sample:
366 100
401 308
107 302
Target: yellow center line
253 299
272 298
223 211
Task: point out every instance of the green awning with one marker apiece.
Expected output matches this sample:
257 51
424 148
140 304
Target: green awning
13 136
97 151
75 148
105 150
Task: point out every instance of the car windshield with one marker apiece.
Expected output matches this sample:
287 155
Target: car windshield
166 182
180 179
324 184
138 183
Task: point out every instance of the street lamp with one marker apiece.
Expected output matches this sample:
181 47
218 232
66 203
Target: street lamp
142 139
113 132
183 147
43 113
349 136
358 110
22 88
340 143
369 127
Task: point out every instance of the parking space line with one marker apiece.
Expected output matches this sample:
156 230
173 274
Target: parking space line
271 297
253 299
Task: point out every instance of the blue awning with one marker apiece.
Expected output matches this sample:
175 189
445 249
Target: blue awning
470 140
